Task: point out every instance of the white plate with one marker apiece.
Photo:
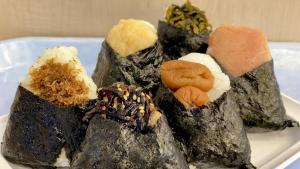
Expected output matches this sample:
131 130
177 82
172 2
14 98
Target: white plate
268 150
273 148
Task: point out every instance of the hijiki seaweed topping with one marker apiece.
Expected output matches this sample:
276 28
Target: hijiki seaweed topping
188 17
127 104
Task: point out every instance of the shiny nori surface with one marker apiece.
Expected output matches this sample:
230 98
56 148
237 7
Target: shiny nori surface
211 134
109 144
140 69
177 42
258 96
37 130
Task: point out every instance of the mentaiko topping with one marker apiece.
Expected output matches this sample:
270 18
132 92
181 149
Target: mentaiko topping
239 49
188 17
59 78
130 36
127 104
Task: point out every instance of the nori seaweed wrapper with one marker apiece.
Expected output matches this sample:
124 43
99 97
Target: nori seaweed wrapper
258 96
37 130
177 42
211 134
140 68
110 144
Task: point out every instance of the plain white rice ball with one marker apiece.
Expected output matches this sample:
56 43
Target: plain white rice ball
221 83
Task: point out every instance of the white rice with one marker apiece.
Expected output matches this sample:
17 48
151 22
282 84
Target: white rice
221 83
62 55
62 160
131 35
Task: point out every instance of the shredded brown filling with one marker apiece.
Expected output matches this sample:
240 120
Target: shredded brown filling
57 83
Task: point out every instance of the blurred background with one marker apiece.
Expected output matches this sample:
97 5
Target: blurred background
279 19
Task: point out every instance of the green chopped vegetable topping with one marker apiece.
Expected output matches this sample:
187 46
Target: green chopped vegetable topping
188 17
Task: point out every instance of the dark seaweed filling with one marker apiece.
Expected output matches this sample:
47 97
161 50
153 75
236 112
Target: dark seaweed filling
126 104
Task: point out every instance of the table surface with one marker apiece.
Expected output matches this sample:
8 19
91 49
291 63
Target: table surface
17 55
